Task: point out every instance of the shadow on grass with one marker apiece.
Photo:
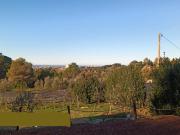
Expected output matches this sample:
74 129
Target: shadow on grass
100 118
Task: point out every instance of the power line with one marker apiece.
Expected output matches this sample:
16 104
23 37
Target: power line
172 43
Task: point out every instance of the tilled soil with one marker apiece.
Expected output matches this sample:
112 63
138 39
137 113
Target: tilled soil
164 125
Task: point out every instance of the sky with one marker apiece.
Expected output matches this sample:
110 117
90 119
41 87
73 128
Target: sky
88 32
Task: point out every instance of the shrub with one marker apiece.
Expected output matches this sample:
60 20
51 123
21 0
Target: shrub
178 111
23 103
5 85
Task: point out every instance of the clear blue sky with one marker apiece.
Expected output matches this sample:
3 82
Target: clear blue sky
87 31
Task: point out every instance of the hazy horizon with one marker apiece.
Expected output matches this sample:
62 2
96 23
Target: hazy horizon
92 32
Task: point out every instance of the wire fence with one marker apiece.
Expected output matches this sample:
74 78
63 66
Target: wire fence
160 109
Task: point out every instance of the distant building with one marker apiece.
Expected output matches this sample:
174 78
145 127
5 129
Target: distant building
67 66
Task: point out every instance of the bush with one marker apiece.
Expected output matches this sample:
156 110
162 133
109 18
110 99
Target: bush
23 103
39 85
178 111
48 83
5 85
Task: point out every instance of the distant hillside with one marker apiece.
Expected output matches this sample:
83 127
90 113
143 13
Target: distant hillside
48 66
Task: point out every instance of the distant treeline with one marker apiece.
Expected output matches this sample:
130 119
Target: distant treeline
139 84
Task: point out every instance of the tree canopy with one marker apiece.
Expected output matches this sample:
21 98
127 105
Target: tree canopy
116 84
21 73
5 63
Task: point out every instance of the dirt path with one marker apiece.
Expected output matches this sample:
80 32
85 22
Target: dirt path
165 125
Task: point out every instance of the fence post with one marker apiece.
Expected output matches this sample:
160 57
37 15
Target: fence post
69 112
17 128
20 110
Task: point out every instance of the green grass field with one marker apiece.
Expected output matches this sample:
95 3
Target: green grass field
91 111
84 111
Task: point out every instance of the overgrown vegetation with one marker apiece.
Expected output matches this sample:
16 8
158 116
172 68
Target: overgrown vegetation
137 85
23 103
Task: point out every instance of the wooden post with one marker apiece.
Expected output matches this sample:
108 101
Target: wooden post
69 112
110 109
17 128
20 110
134 109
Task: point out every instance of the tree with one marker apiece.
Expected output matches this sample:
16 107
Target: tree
136 63
5 63
42 73
21 73
166 87
147 62
23 103
48 83
116 65
135 87
112 83
56 83
5 85
86 88
39 85
125 86
72 71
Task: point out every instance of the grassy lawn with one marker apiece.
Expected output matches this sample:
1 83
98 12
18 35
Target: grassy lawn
84 111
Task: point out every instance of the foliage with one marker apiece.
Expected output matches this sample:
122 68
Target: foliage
21 73
5 63
125 86
147 62
88 88
59 83
42 73
5 85
23 103
39 85
112 86
48 83
178 111
116 84
166 90
72 71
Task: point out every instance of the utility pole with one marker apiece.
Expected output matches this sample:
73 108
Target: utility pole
159 48
164 53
